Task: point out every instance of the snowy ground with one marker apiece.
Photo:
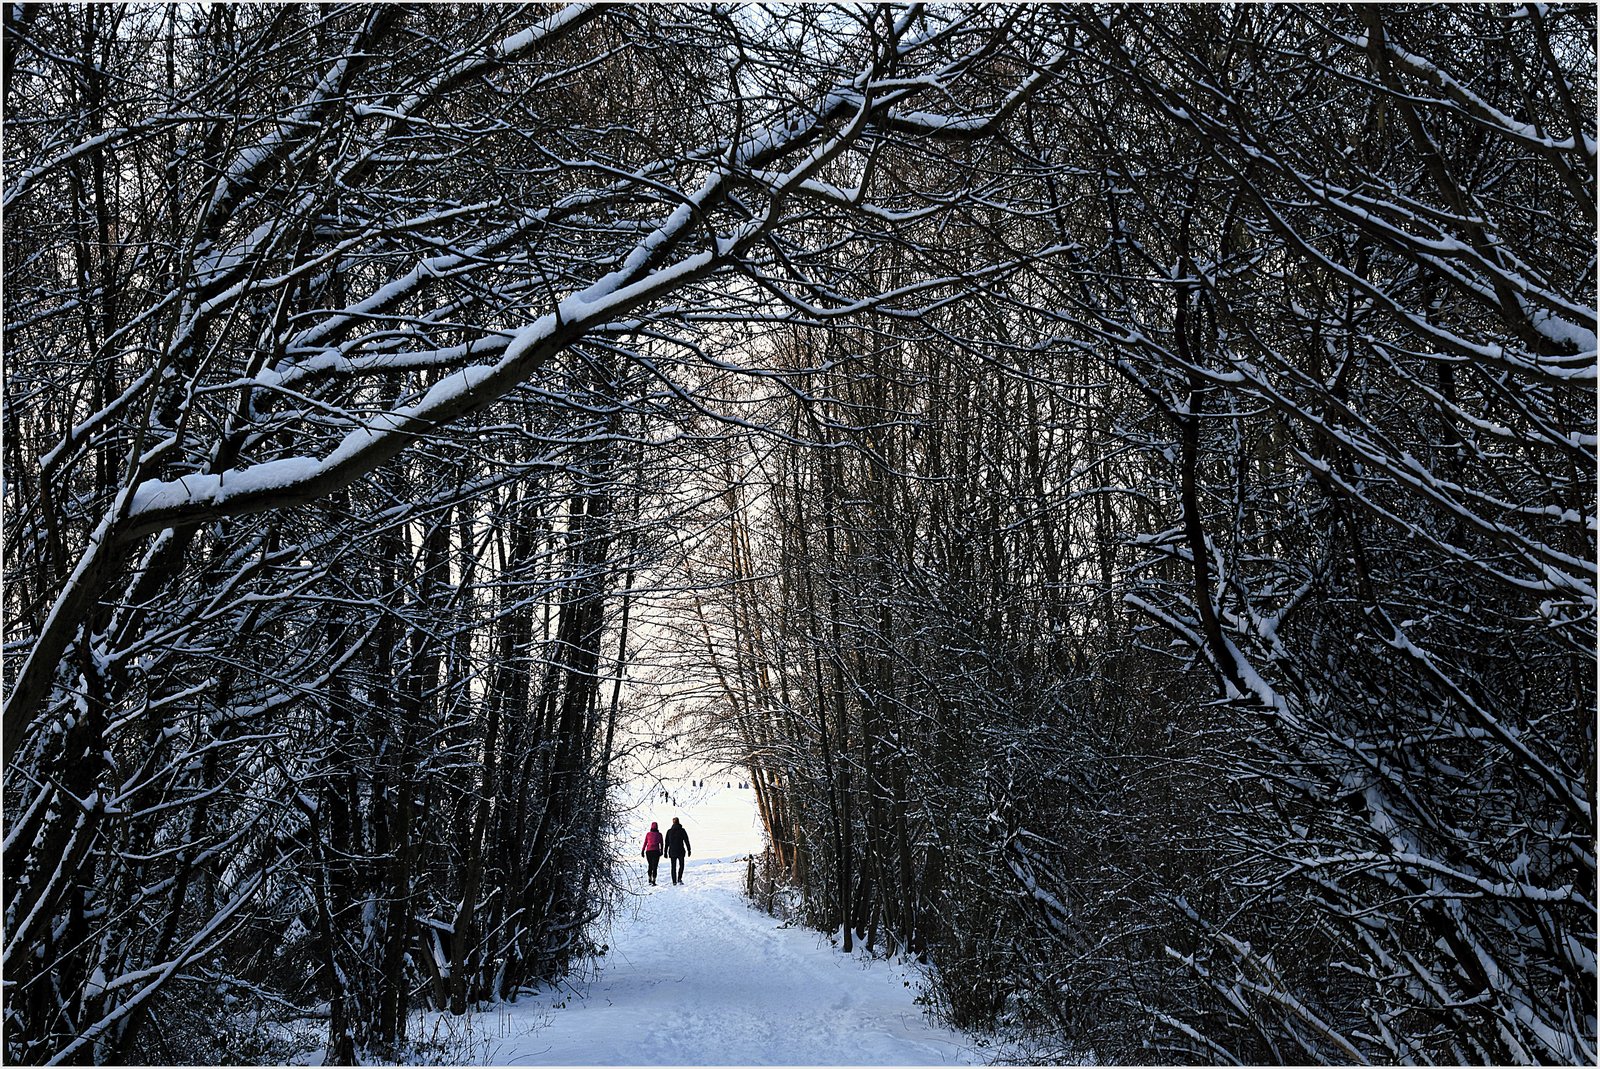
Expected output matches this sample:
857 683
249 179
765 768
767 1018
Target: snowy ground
696 977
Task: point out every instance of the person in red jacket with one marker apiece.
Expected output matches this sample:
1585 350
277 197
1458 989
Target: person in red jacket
652 850
677 847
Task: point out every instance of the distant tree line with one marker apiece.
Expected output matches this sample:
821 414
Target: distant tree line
1122 480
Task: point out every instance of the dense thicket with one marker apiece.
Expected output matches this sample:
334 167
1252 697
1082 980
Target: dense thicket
1127 475
1191 642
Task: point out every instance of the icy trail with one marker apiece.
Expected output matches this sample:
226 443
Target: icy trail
694 976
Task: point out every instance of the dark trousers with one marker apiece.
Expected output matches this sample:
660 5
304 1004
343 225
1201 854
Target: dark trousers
677 868
653 859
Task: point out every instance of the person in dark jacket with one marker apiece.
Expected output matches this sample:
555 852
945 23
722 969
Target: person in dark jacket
652 850
677 849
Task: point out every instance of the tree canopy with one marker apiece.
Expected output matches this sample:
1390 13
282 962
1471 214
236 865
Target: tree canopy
1122 479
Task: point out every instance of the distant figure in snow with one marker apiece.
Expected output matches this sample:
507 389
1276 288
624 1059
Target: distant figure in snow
677 848
652 850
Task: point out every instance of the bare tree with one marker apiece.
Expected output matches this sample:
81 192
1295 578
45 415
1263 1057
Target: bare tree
330 332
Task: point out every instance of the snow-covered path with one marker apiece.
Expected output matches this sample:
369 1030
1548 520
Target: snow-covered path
696 977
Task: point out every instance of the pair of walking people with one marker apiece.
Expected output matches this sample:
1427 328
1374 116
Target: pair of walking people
676 845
